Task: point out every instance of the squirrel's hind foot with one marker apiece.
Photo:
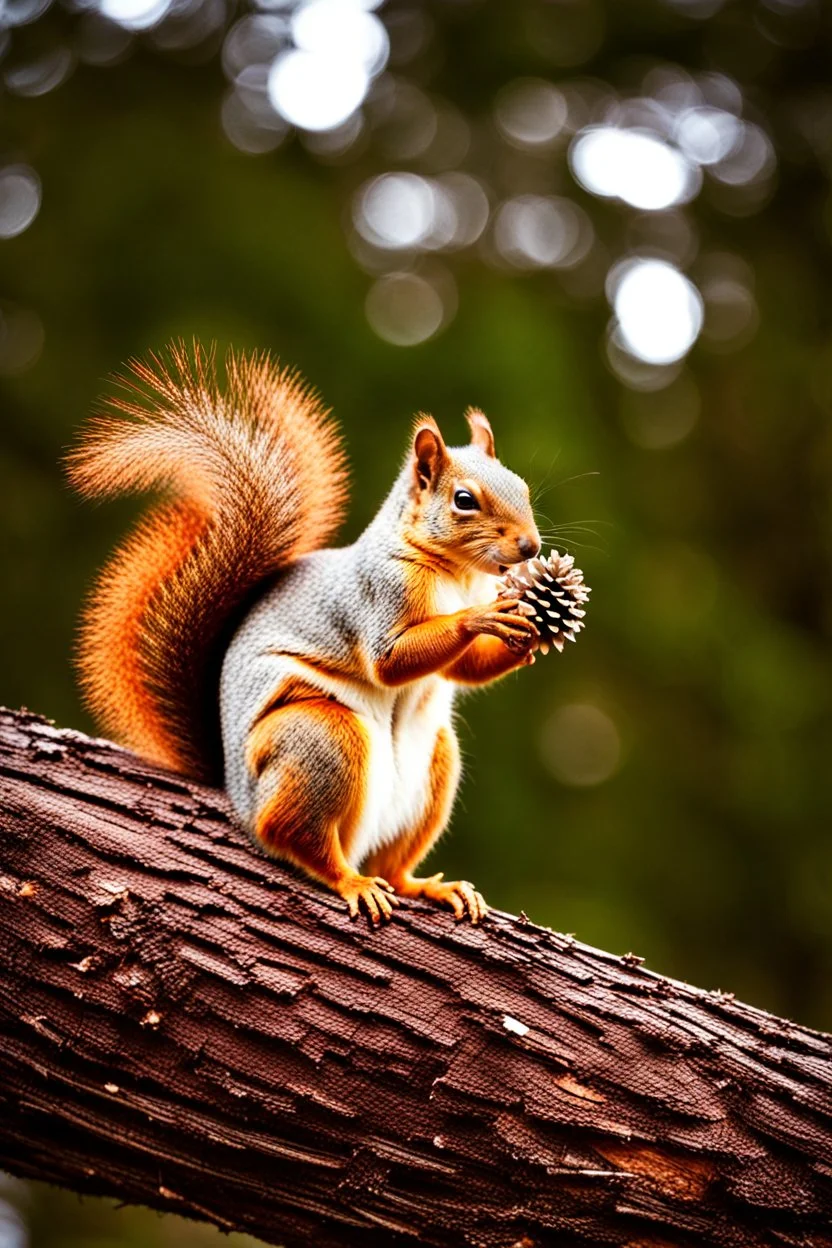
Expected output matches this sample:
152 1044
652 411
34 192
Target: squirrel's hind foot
461 896
372 894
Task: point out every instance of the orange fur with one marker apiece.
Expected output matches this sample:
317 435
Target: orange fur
112 626
481 434
300 822
486 659
332 668
425 648
257 475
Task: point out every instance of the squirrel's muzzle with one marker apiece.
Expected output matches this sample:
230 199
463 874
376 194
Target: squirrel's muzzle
528 547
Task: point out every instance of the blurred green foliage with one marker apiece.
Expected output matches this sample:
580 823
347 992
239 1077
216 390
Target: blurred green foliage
697 834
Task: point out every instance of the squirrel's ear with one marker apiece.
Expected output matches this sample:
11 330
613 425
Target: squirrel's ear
429 452
481 434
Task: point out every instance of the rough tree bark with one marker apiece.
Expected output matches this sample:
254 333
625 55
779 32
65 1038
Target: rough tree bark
186 1025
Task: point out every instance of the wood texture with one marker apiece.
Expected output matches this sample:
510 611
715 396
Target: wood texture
186 1025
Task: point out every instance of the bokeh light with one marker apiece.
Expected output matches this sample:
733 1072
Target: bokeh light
406 309
580 745
636 167
632 371
396 210
101 42
253 40
340 48
749 159
731 313
21 339
408 213
659 310
19 199
36 77
247 118
342 30
316 92
707 135
14 13
531 113
470 206
536 231
135 14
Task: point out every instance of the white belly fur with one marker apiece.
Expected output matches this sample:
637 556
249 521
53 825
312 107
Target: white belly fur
398 781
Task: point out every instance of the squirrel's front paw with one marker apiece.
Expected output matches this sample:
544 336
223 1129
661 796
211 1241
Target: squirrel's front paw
506 619
461 896
371 894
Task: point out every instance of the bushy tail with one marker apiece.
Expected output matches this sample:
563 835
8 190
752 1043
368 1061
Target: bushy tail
254 476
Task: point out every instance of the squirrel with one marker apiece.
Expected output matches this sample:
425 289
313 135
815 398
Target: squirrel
226 640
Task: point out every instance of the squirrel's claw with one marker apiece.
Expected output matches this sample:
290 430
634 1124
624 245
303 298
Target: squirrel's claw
474 902
461 896
372 894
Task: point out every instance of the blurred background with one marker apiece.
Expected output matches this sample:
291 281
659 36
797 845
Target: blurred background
607 224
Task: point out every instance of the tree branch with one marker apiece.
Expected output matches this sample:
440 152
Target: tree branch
186 1025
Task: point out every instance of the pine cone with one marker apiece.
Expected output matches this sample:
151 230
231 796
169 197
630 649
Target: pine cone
553 593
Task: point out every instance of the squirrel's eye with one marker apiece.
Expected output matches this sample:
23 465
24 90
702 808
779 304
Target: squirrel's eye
464 501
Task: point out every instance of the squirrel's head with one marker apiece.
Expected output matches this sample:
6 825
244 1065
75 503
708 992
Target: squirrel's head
467 507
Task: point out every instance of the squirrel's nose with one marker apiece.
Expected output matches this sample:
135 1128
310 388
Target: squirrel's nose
528 547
